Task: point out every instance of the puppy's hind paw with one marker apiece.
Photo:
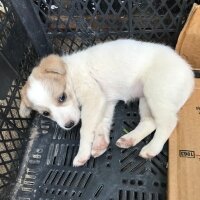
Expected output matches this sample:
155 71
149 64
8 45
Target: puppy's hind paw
149 151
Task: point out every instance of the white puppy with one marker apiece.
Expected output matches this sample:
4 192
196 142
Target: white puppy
88 84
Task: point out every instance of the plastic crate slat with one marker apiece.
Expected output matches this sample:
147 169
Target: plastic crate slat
112 175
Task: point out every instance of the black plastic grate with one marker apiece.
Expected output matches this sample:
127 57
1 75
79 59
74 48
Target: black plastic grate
13 129
72 25
118 174
7 21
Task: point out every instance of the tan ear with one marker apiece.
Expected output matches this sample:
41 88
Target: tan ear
25 105
53 64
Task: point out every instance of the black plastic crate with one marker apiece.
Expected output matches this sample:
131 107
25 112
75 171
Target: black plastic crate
41 168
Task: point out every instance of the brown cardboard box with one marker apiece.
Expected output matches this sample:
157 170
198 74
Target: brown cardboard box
188 45
184 144
184 152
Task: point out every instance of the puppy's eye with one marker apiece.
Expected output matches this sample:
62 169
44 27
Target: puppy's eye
62 98
45 113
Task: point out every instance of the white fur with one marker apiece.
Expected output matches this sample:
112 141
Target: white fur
37 93
124 70
40 95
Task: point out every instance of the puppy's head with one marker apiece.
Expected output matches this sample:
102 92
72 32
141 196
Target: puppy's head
48 91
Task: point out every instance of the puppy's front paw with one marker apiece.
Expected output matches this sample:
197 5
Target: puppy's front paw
150 150
100 145
80 160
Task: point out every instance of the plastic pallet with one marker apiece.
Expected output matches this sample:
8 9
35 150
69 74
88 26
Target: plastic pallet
119 174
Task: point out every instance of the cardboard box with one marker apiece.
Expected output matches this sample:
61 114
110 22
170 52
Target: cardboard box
188 45
184 152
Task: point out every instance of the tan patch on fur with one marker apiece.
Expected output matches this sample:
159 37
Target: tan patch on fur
52 64
52 72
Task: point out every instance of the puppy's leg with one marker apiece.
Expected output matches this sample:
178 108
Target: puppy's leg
92 112
165 125
102 140
144 128
163 108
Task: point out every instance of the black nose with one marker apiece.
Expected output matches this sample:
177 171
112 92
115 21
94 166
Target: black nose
69 124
